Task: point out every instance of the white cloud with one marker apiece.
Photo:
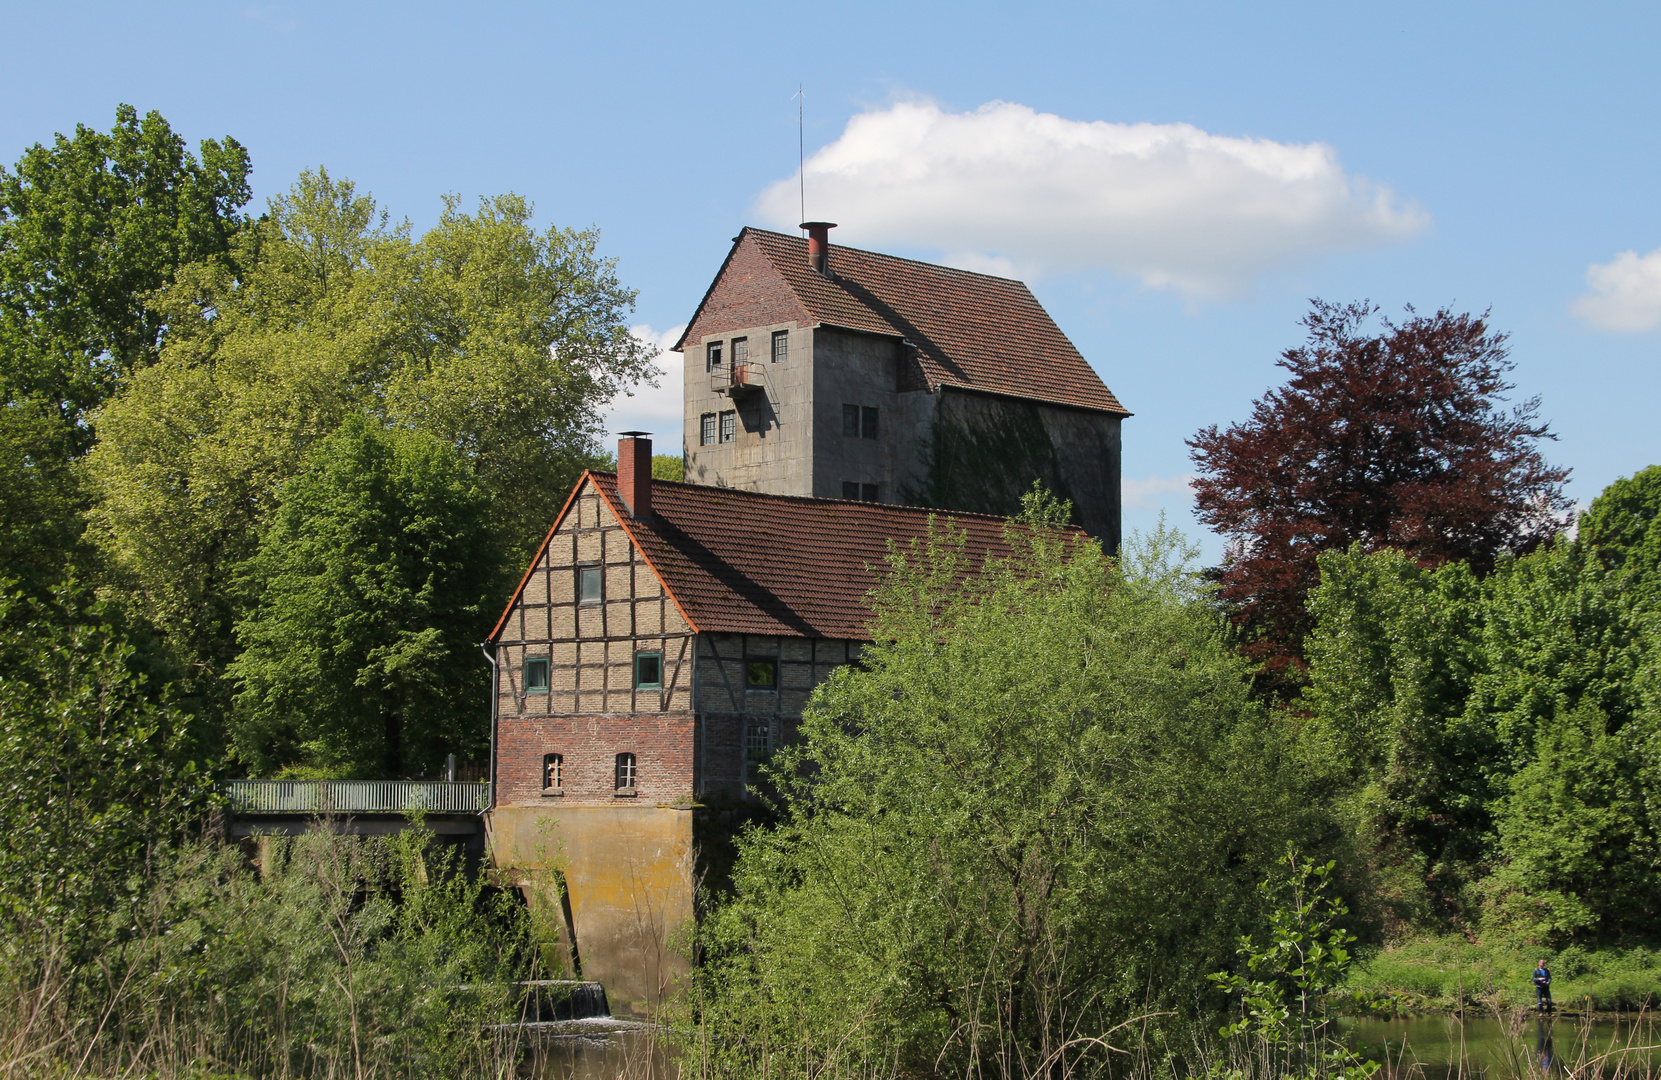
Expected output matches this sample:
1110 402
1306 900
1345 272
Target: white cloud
1625 293
657 409
1144 494
1008 187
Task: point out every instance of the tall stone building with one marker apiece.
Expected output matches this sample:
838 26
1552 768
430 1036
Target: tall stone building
846 374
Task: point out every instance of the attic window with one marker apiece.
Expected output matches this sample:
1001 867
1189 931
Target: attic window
590 585
536 675
729 426
781 346
712 356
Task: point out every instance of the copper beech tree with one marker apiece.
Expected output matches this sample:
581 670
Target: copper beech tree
1391 440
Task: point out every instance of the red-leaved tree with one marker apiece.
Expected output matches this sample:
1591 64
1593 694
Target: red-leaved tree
1396 439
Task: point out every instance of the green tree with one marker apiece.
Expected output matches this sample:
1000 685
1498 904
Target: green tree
1623 524
90 228
93 763
42 496
501 340
668 467
372 580
1038 806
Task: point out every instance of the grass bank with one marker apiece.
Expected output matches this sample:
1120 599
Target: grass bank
1447 973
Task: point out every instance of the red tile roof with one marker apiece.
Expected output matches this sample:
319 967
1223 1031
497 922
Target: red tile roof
973 331
744 562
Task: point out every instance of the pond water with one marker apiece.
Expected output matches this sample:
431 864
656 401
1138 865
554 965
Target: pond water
1438 1047
620 1055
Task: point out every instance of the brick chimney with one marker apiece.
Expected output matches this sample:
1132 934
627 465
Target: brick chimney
818 244
634 472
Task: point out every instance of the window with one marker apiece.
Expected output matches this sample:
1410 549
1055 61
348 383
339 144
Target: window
850 421
761 674
758 742
854 491
729 426
712 356
553 772
867 423
868 493
536 675
625 772
706 429
648 671
740 350
590 585
781 346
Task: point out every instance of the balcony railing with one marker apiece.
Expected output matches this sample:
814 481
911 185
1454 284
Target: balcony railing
354 796
739 378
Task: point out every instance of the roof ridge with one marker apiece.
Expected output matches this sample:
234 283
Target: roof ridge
897 258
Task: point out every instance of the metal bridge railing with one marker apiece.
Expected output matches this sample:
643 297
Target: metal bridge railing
354 796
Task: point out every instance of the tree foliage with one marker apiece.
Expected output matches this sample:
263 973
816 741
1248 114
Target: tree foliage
90 228
359 652
1395 439
500 340
94 765
1623 525
1043 800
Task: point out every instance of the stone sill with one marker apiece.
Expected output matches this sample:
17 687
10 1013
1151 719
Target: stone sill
552 792
623 793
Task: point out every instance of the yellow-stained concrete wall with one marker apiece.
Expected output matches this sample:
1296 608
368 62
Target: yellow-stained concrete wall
629 876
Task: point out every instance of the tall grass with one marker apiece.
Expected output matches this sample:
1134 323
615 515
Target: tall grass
326 956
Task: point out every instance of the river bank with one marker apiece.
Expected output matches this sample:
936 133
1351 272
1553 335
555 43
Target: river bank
1452 974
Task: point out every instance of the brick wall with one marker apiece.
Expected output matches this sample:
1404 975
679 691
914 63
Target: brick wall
750 292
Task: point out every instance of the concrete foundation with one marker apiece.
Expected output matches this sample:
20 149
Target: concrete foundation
628 876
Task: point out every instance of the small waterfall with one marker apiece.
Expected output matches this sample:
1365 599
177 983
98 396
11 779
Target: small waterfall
565 999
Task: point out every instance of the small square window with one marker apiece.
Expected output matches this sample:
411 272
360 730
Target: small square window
648 671
553 771
761 674
850 490
590 585
740 350
729 426
712 356
850 421
781 346
868 493
626 772
706 429
536 675
758 742
867 423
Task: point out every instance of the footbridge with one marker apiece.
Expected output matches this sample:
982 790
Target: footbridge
448 808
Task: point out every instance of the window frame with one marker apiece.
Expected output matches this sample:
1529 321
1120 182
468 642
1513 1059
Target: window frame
781 337
712 355
870 493
772 664
764 729
553 767
706 429
850 491
626 765
868 422
648 654
539 663
740 351
729 425
850 421
599 572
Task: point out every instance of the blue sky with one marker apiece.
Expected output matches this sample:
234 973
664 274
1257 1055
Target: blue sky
1174 180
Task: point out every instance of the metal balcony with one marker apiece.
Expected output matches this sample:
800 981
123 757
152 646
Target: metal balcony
738 379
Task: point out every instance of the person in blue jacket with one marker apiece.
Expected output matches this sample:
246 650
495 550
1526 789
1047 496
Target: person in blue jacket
1542 987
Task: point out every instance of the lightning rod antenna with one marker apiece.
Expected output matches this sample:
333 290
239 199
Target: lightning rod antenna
801 150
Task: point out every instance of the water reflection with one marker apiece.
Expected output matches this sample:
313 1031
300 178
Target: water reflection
1439 1047
627 1055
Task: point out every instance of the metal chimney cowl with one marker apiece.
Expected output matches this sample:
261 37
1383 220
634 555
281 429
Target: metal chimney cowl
818 244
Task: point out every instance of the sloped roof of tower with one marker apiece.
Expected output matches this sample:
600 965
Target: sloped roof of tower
972 331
